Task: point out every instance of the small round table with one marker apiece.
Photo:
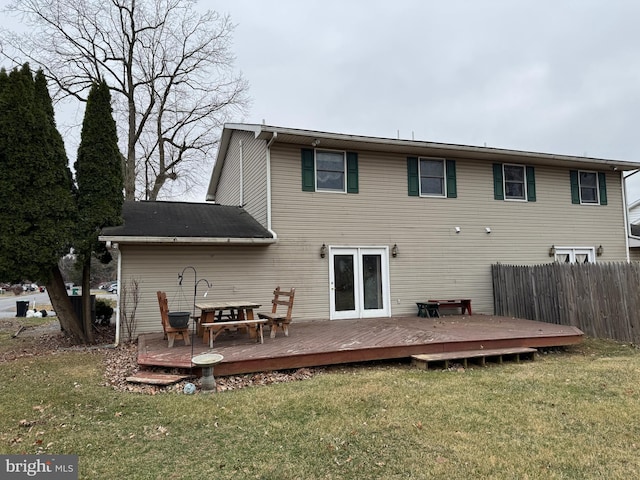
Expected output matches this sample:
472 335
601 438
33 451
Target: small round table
206 361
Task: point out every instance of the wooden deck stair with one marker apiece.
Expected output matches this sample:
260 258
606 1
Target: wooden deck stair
422 361
156 378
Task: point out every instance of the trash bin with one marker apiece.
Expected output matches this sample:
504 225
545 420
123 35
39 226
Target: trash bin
21 308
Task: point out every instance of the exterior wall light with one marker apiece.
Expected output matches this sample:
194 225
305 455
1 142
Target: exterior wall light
394 250
457 229
323 251
552 251
599 251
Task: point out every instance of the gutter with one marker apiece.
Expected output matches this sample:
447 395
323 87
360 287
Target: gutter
269 143
187 240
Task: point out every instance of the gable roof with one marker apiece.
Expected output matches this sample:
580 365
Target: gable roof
341 141
187 223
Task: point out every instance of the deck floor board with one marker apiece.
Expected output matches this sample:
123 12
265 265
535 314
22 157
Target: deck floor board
326 342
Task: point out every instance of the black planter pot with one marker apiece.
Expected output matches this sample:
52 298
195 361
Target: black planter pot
179 319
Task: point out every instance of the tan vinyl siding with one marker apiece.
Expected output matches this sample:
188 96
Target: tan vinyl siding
634 254
434 261
249 163
236 272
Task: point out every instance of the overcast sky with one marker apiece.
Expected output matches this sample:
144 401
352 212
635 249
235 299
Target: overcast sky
539 75
548 76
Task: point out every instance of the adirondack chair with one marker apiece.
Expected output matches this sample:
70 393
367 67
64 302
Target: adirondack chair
275 320
171 333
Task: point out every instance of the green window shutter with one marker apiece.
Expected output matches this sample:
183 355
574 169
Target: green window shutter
452 191
531 184
498 187
308 170
412 177
352 172
602 183
575 187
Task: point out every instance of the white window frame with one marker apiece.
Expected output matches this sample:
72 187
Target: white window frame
573 252
595 174
444 177
344 170
524 183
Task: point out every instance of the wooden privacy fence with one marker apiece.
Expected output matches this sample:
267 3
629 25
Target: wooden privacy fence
602 300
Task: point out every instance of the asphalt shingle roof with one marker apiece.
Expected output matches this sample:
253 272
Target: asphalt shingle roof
183 219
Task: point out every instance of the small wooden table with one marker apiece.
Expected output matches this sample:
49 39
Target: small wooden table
214 320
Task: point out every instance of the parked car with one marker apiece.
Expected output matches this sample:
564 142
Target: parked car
113 288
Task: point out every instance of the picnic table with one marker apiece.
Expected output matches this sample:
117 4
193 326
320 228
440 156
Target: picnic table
233 315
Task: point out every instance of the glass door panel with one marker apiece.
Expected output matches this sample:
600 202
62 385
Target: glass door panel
372 281
345 295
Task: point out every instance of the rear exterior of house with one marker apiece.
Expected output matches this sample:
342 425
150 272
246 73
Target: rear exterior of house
366 227
450 211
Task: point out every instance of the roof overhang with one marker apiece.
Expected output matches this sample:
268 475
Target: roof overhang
340 141
131 240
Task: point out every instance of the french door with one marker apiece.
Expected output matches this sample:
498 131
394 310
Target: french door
359 282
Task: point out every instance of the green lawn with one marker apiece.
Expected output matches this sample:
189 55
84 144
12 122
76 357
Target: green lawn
573 414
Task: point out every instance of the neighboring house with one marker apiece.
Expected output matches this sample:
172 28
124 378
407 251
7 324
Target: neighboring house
634 243
634 212
365 226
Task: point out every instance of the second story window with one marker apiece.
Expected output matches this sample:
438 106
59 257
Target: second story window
514 182
432 177
515 186
588 188
330 171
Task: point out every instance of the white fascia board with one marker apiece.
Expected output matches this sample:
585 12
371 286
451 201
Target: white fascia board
186 240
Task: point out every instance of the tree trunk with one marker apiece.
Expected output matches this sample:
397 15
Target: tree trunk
63 307
86 300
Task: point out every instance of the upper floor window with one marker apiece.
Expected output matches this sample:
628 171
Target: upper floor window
515 186
431 177
588 188
514 182
329 171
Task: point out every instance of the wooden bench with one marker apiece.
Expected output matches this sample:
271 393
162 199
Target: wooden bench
422 361
464 304
212 330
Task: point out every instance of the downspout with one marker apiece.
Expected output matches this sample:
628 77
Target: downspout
273 138
120 286
241 175
627 227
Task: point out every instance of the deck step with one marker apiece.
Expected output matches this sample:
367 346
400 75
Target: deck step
156 378
422 360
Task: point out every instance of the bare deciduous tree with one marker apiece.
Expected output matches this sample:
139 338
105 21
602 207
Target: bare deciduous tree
169 66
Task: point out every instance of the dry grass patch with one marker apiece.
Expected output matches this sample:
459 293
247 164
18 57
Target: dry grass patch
571 414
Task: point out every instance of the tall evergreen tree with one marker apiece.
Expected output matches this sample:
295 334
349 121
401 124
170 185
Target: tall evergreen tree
38 211
100 186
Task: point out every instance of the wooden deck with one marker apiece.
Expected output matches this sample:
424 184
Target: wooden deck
345 341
